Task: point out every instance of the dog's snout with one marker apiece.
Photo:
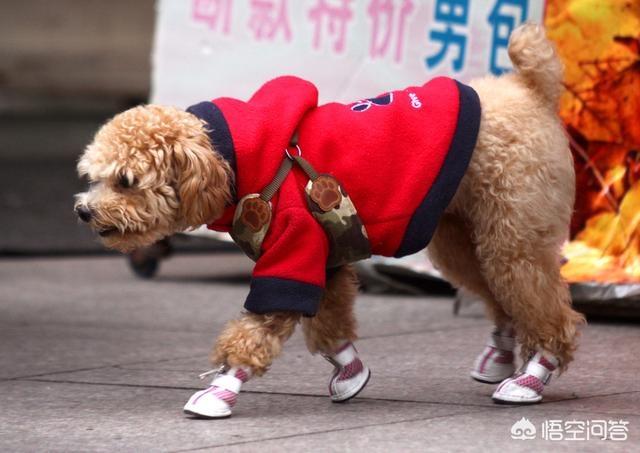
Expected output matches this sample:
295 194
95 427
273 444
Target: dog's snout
84 213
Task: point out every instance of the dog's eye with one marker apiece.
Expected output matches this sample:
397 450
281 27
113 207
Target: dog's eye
126 182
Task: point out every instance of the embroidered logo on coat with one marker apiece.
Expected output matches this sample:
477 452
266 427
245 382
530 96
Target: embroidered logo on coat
365 104
415 101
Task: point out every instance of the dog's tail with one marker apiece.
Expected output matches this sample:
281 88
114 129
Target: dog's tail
535 59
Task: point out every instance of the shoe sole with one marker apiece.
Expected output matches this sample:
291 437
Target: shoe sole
206 417
515 402
366 381
478 377
486 381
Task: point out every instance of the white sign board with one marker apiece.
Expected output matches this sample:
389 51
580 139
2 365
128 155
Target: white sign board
351 49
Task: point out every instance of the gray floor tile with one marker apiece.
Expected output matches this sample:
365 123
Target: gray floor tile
72 417
28 350
473 432
94 359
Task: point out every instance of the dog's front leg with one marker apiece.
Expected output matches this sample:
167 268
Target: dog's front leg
253 341
332 331
246 347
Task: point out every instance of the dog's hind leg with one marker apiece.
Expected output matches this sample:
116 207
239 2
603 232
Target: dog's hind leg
527 281
453 253
518 223
518 199
246 347
528 284
331 332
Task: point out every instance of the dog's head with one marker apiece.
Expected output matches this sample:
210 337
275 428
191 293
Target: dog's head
152 172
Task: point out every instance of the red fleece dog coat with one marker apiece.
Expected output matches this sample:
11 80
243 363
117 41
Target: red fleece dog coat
400 156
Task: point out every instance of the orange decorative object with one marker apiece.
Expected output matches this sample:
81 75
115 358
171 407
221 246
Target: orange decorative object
599 43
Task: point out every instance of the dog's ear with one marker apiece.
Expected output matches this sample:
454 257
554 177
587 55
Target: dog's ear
203 180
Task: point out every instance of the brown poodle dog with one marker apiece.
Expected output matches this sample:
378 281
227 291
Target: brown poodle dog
154 172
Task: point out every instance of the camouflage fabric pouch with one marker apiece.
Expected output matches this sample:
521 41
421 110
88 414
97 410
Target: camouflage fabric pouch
329 204
251 222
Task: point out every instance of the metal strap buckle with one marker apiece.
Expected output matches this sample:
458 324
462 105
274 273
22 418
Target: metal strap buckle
286 151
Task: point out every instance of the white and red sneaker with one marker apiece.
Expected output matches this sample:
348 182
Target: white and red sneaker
527 385
350 375
217 400
496 362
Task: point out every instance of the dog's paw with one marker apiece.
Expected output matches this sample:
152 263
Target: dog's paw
256 213
325 192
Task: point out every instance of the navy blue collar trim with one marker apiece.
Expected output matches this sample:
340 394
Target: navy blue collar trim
218 132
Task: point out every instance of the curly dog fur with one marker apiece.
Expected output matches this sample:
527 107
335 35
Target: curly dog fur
154 173
254 340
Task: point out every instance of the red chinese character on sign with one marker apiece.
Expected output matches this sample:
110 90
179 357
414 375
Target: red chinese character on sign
268 17
382 13
214 13
337 16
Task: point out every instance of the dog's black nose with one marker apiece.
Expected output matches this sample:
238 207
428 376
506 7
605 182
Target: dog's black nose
84 213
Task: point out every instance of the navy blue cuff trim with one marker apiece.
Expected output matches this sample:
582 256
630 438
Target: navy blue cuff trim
218 131
270 294
425 219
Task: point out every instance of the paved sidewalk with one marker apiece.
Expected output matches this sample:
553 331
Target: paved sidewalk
92 359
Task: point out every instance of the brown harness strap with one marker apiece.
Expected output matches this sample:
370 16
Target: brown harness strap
270 190
285 167
328 203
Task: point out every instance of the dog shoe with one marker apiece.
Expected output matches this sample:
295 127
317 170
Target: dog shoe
217 400
526 386
350 375
495 363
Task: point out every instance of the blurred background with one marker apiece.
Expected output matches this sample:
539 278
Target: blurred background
69 65
60 78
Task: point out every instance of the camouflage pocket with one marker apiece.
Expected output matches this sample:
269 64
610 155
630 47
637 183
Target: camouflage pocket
251 222
331 206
